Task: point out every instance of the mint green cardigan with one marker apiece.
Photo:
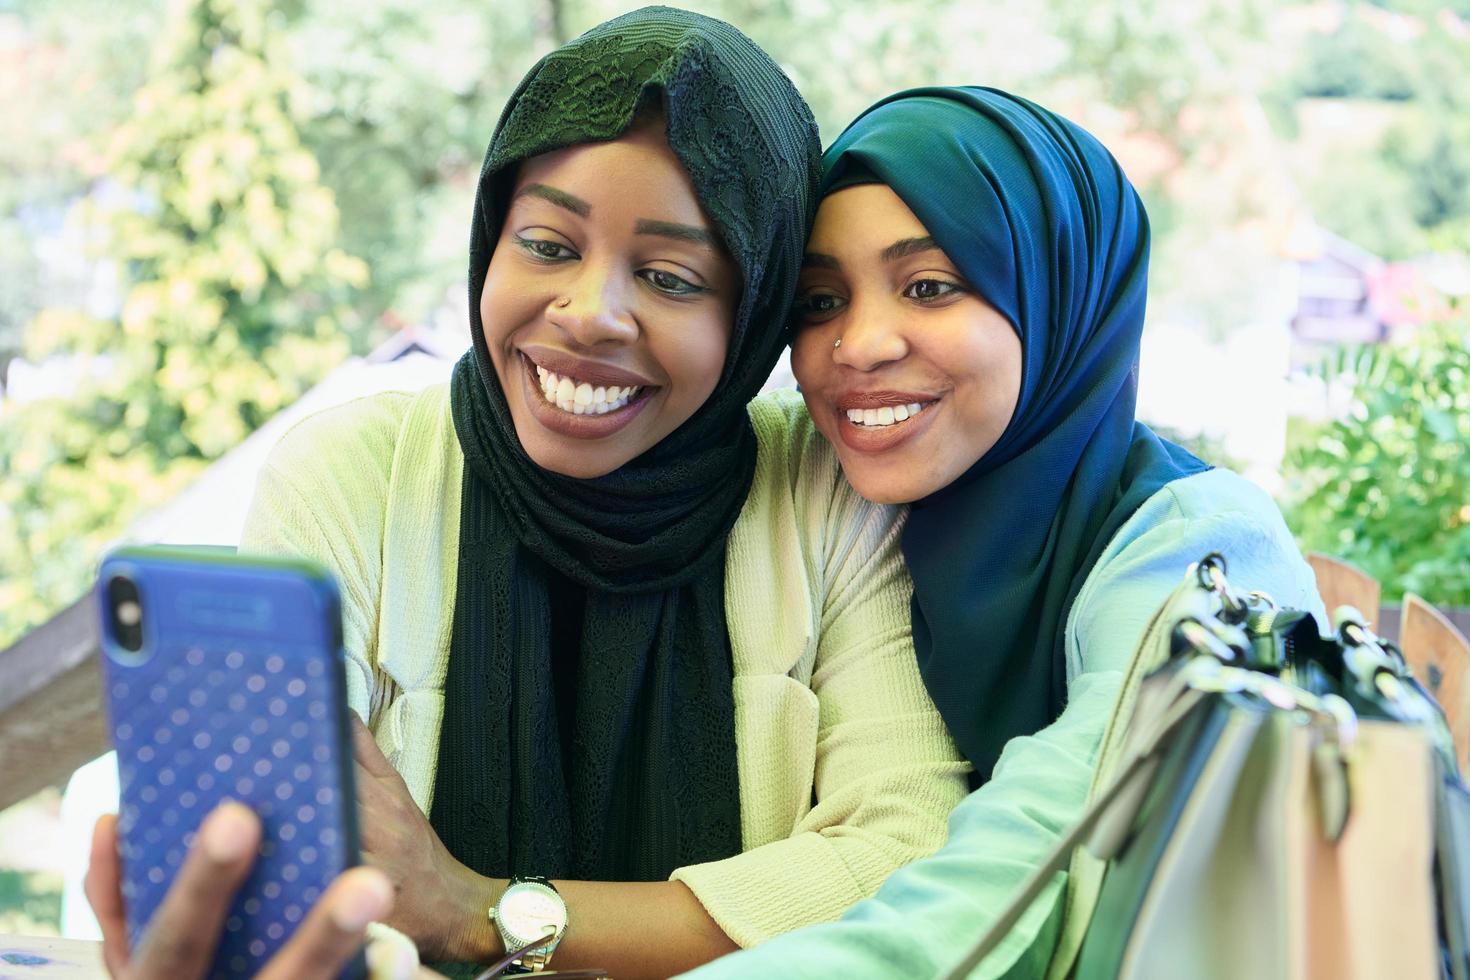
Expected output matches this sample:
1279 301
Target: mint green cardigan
846 769
930 913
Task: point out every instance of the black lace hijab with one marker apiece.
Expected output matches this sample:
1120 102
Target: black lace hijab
589 721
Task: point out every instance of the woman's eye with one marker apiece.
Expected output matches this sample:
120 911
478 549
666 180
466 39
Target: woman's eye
546 250
667 282
929 290
817 305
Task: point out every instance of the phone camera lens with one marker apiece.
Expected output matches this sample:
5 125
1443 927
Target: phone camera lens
126 607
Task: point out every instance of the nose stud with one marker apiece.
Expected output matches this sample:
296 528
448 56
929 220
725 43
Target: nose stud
838 344
562 302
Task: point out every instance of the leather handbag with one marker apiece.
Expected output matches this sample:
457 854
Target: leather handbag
1279 804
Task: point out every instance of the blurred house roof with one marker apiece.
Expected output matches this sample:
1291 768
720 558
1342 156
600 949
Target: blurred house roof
212 510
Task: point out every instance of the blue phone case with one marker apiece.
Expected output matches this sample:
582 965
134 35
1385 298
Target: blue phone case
237 693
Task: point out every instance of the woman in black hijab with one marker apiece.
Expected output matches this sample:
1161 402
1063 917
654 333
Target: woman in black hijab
615 626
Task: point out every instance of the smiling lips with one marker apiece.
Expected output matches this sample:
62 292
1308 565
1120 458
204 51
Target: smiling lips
581 399
885 416
877 421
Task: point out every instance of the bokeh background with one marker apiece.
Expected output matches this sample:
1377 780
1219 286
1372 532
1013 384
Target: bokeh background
216 215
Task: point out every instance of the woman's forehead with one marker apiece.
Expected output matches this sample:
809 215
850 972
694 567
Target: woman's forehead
863 218
637 167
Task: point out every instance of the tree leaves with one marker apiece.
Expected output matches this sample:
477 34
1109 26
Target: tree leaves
1386 485
238 297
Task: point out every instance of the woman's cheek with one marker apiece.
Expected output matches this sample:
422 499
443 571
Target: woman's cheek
804 357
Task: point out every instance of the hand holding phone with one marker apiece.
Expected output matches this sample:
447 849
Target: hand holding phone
225 682
180 941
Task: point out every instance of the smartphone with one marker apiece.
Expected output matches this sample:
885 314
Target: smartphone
224 681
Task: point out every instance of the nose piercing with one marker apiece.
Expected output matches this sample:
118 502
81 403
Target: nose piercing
838 344
562 302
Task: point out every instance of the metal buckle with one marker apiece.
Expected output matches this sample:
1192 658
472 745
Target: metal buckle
1210 573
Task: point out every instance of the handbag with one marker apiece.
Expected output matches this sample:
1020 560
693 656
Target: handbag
1279 804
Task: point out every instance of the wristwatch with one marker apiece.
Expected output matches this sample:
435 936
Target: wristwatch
527 910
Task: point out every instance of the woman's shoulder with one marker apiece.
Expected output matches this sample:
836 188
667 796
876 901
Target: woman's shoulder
799 489
358 440
1219 491
1214 511
790 450
781 421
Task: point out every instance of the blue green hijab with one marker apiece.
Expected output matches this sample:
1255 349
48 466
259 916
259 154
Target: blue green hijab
1040 219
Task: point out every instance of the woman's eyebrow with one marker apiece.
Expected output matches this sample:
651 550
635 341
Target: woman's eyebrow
908 246
671 229
561 199
900 249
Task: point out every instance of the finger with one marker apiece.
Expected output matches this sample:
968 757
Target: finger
392 956
181 939
365 748
334 930
103 887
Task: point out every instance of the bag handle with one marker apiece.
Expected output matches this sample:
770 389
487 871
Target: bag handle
1134 777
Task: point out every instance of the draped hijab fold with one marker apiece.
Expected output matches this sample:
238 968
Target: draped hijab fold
589 722
1041 220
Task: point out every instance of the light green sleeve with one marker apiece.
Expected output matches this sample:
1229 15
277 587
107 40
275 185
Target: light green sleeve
928 914
321 495
885 773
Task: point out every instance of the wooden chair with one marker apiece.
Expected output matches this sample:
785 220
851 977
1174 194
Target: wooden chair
1440 657
1344 584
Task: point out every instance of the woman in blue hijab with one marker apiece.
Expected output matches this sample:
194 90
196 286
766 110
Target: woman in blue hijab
968 330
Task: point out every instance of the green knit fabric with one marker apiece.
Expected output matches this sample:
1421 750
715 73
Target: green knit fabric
588 728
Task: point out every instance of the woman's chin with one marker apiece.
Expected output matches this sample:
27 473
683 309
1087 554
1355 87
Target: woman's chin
884 483
577 462
578 459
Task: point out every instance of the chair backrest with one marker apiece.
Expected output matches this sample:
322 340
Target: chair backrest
1440 657
1342 583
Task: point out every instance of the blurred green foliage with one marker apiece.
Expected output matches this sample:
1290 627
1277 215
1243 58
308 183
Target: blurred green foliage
78 81
236 300
30 903
1412 184
1354 62
1387 485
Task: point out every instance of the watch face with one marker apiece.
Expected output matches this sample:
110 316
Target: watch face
528 912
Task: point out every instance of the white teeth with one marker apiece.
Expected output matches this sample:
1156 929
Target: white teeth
580 397
885 416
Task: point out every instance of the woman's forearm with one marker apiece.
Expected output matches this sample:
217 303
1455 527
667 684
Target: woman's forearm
630 929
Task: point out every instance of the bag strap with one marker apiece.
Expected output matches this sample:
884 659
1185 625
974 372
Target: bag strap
1134 776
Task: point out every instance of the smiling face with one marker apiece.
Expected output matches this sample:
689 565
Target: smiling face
608 304
927 375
